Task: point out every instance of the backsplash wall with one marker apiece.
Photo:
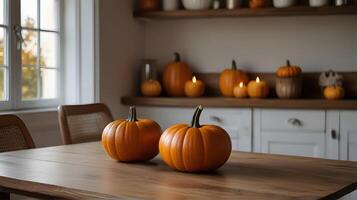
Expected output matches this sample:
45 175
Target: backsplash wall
259 44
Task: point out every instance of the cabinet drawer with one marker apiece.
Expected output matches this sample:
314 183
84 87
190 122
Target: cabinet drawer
293 120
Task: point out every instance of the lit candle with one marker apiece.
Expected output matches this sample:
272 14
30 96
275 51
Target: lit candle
194 88
258 89
240 91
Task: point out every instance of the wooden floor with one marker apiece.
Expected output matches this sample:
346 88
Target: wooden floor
85 172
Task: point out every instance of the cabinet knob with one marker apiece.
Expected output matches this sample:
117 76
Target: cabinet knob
216 119
334 134
295 122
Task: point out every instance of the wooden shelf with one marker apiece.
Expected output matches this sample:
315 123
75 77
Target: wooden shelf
233 102
248 12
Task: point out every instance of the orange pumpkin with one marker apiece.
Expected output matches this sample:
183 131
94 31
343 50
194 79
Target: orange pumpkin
175 76
259 3
334 92
131 140
258 89
288 70
229 78
194 88
195 148
148 5
151 88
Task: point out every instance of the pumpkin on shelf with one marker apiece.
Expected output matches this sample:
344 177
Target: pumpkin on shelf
288 81
258 89
131 140
229 78
151 88
148 5
194 88
334 92
175 76
195 147
260 3
331 83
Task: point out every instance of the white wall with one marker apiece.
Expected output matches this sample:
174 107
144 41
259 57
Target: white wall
121 49
260 44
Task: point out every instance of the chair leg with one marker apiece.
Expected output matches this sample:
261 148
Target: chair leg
4 196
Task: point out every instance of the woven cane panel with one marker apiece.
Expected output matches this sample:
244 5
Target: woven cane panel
11 139
88 127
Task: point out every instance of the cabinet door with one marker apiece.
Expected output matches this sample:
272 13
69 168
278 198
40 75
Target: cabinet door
296 144
290 132
348 141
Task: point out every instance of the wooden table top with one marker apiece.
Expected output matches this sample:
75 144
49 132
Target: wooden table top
84 171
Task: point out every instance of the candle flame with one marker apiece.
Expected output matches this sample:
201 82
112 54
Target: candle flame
194 80
241 84
258 79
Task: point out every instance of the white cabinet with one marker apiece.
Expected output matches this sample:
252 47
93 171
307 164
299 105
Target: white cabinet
348 141
237 122
295 132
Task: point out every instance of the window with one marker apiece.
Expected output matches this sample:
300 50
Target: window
30 74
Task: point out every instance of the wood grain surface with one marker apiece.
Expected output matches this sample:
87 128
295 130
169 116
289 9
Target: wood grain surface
83 171
242 103
247 12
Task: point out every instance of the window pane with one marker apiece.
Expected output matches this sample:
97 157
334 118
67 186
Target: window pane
29 48
29 13
48 83
49 14
2 11
2 46
2 84
49 49
29 83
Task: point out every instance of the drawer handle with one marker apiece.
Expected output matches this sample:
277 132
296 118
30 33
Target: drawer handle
216 119
295 122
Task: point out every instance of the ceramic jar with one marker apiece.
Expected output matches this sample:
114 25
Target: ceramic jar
319 3
197 4
283 3
289 87
170 5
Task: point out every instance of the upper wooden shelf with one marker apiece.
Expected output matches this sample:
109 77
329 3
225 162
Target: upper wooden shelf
244 103
248 12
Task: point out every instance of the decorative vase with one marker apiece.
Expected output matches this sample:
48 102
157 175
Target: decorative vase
288 88
197 4
283 3
170 5
319 3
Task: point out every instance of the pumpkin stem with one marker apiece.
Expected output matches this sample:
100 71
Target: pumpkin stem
288 63
132 114
234 65
177 57
196 117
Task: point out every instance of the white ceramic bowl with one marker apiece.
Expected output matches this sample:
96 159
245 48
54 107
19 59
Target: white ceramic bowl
284 3
197 4
319 3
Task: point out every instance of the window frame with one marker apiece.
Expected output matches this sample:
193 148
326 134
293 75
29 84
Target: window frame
15 101
7 103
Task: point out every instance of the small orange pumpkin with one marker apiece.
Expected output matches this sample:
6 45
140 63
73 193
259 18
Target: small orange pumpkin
195 148
151 88
258 89
229 78
175 76
148 5
259 3
131 140
288 70
334 92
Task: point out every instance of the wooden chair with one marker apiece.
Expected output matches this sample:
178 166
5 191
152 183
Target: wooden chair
13 134
83 123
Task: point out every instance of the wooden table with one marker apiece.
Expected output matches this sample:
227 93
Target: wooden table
84 171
